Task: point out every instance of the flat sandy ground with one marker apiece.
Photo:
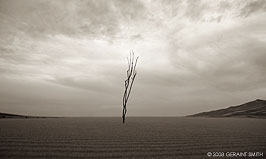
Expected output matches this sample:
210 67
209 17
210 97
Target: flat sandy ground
180 137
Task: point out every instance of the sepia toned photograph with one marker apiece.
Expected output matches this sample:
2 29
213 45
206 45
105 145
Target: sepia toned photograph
132 79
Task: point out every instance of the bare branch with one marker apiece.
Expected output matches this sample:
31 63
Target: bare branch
131 74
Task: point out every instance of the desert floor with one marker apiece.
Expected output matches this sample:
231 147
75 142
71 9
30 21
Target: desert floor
139 137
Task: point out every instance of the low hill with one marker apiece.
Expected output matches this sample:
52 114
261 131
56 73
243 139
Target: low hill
253 109
7 115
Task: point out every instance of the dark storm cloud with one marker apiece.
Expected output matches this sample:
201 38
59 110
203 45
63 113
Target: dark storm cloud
253 7
101 18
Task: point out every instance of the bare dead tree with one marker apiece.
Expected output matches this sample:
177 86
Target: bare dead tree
131 75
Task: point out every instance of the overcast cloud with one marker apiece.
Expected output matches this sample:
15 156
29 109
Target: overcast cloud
68 57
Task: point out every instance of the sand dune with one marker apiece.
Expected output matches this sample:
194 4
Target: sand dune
138 138
253 109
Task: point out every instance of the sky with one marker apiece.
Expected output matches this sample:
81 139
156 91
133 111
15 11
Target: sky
69 57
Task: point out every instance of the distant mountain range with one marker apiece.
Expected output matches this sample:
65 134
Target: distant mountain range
253 109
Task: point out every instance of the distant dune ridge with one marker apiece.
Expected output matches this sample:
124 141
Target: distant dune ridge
8 115
253 109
